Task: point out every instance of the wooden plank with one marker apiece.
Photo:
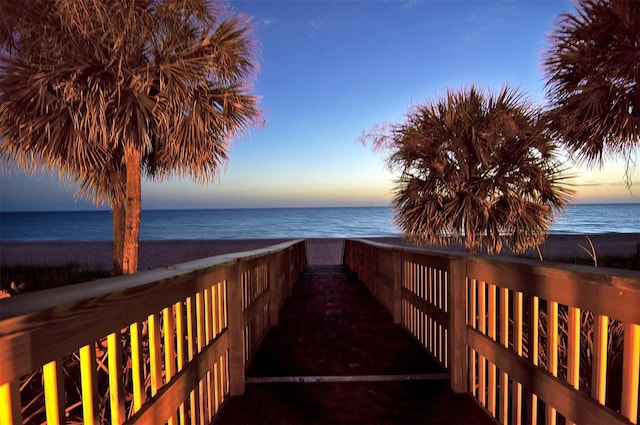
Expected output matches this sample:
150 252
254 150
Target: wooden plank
504 339
573 349
574 405
116 390
518 346
346 378
192 351
552 352
630 371
599 358
137 366
155 354
11 413
54 397
473 323
180 352
168 334
482 328
608 292
65 319
534 354
169 397
427 308
236 332
457 302
492 328
89 385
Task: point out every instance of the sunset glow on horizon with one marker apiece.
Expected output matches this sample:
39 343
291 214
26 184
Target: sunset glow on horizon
331 70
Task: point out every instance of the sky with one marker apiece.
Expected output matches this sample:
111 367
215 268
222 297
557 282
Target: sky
331 70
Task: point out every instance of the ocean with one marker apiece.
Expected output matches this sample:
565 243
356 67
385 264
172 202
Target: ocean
276 223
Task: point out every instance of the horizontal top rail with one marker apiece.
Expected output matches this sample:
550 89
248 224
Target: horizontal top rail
65 318
549 280
127 284
567 334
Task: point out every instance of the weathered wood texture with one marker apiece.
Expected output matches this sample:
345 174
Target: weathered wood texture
170 344
531 342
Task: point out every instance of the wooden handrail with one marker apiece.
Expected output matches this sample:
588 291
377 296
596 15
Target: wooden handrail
508 330
186 329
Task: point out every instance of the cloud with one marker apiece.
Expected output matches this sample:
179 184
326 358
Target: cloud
599 184
316 24
264 22
409 4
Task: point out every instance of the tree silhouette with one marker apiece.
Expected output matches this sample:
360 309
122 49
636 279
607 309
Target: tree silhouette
593 80
474 166
104 92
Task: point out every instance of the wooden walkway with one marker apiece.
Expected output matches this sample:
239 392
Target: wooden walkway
337 357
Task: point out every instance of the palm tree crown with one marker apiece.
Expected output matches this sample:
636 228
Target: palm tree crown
593 78
475 166
102 90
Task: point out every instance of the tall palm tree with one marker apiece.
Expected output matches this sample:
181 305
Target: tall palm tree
593 79
474 166
107 91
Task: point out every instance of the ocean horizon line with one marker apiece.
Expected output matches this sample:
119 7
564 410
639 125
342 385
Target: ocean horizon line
274 223
274 208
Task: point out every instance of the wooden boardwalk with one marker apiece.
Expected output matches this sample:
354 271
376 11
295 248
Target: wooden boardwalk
337 357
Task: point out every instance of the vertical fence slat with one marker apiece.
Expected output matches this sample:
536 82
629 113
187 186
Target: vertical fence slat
504 339
518 346
491 315
89 385
552 351
599 358
200 342
168 334
116 392
473 322
573 349
630 372
534 346
10 399
482 362
180 350
194 401
137 375
155 353
54 392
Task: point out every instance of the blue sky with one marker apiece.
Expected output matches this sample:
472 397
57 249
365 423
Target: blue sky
333 69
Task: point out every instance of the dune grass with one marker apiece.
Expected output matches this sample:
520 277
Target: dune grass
27 278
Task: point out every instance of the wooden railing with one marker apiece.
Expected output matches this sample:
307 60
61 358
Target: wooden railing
166 346
533 343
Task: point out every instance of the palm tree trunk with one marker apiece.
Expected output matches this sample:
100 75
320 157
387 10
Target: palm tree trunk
118 214
132 210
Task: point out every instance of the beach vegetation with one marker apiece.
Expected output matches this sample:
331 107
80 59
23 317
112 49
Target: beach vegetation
18 279
106 92
477 167
593 81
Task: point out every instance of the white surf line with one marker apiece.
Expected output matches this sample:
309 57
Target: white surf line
348 378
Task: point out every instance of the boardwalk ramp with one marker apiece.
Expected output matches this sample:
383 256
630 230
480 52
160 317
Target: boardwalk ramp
337 357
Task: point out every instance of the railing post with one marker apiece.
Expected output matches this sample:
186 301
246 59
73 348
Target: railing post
397 286
236 331
457 299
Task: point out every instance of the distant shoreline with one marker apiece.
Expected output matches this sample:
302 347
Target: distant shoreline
272 207
162 253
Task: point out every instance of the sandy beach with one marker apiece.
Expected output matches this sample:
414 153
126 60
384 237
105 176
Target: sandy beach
319 251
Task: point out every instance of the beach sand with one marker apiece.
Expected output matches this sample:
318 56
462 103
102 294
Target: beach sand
319 250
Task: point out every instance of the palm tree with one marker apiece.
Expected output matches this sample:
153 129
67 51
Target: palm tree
475 166
104 92
593 79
